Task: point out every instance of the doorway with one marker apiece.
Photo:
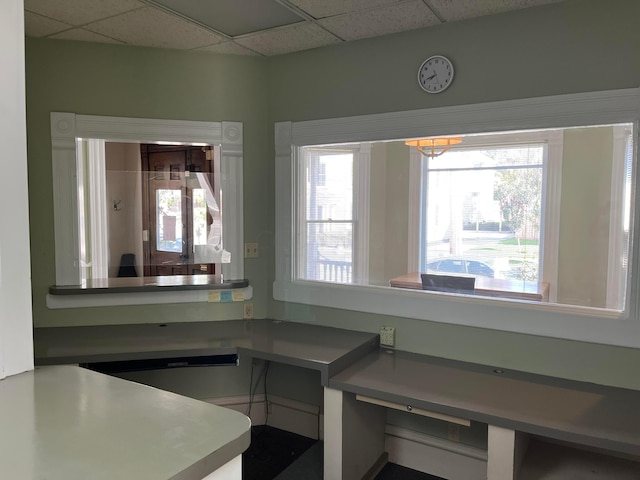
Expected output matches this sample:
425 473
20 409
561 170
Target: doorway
174 209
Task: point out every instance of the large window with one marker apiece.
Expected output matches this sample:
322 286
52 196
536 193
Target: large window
489 223
491 209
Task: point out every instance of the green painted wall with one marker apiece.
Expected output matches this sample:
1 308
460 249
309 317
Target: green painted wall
551 50
537 52
99 79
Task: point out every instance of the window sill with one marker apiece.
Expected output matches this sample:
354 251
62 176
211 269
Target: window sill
148 291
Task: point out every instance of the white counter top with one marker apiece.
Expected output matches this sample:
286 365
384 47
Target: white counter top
68 423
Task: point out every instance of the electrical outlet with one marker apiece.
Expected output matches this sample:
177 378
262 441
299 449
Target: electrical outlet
388 336
248 311
453 433
250 250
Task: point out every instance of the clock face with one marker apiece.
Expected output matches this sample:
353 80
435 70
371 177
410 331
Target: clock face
435 74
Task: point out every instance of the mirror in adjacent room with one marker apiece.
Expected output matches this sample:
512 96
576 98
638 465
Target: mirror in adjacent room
537 215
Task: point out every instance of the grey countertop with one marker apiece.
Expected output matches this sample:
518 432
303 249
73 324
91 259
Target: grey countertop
583 413
69 423
325 349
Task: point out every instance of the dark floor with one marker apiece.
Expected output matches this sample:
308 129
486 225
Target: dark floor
273 450
391 471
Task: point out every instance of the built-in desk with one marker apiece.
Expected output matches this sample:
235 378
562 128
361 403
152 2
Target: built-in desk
324 349
511 403
68 423
327 350
490 287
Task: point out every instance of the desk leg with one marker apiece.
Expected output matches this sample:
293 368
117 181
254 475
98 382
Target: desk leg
506 449
353 436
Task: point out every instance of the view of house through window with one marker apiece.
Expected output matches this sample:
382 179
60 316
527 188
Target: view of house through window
328 232
483 211
540 215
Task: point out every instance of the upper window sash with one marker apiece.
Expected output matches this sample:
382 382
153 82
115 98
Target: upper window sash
585 323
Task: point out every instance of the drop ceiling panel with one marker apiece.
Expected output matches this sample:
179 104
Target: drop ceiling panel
301 36
150 27
39 26
82 35
462 9
231 48
80 12
234 17
328 8
380 21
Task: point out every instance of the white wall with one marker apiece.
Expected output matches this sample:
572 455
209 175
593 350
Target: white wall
16 346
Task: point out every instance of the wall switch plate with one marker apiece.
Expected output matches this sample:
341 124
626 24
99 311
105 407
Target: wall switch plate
250 250
248 311
388 336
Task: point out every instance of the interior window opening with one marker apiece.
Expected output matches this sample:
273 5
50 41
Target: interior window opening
539 215
149 209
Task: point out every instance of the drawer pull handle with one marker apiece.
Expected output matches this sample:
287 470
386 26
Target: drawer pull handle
409 408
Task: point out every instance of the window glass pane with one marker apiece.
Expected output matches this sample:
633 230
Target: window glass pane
484 213
328 230
329 185
169 220
488 157
199 206
329 252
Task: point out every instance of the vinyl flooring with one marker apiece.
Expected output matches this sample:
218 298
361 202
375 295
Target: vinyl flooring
275 454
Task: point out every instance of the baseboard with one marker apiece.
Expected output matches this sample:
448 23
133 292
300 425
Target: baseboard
434 455
283 413
294 416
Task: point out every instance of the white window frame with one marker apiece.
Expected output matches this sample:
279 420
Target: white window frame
359 216
550 213
67 127
552 320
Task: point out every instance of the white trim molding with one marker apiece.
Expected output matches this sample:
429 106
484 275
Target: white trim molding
588 324
67 127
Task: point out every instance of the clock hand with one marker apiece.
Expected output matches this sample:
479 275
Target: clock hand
432 76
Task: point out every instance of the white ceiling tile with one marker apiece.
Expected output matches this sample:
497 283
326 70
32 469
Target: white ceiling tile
234 17
80 12
38 26
451 10
150 27
328 8
231 48
380 21
301 36
82 35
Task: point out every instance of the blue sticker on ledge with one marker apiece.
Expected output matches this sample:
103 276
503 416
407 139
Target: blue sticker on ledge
226 296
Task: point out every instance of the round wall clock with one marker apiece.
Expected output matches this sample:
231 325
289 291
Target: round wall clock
435 74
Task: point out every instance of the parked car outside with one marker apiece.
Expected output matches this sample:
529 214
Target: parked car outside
459 265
